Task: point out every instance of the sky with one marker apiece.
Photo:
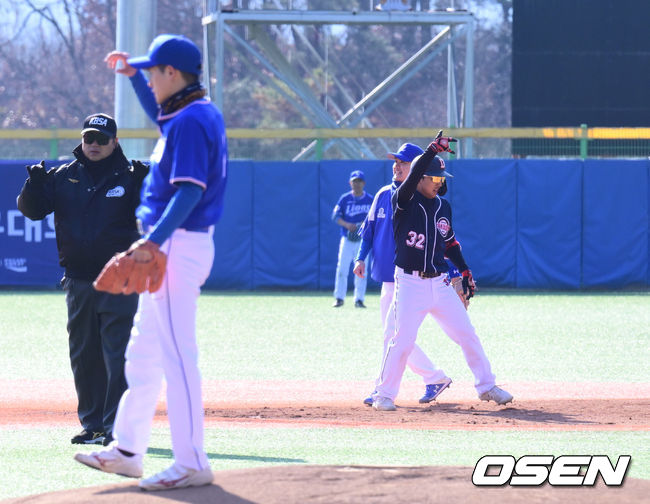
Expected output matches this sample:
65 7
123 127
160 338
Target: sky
14 17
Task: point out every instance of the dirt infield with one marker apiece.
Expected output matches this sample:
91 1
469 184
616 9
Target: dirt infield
577 415
603 414
347 484
537 406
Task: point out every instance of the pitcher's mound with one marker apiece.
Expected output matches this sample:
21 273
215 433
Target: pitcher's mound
347 484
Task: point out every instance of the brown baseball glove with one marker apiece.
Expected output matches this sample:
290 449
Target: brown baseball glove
457 283
140 268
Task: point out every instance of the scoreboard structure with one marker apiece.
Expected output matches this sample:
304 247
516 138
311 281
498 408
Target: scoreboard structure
580 62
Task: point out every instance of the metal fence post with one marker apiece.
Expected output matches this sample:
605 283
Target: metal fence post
54 145
583 142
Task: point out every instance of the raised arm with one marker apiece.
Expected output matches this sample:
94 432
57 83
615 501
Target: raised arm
405 192
36 199
117 61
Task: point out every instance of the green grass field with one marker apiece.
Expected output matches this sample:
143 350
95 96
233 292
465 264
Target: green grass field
545 337
278 336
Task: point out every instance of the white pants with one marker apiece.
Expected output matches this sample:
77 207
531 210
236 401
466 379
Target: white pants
347 252
415 298
163 343
417 359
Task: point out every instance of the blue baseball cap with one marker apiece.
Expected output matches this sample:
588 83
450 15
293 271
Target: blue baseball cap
174 50
436 168
357 174
407 152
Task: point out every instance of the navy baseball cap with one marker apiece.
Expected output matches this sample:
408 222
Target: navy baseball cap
436 168
407 152
100 122
174 50
357 174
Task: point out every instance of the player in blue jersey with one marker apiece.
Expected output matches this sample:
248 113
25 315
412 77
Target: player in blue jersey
377 235
349 212
182 199
424 235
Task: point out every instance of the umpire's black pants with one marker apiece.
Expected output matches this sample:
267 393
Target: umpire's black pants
99 326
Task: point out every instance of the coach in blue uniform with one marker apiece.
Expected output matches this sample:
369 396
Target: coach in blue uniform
377 235
424 235
182 199
349 212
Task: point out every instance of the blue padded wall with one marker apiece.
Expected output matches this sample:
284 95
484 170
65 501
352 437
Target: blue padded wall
615 229
233 237
483 195
549 224
549 219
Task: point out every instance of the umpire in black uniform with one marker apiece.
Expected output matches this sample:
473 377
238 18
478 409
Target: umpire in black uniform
94 200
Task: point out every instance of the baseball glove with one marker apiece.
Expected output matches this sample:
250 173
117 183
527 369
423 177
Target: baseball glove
354 234
457 284
140 268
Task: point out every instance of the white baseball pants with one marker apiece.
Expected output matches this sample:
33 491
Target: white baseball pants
415 298
417 360
347 252
163 343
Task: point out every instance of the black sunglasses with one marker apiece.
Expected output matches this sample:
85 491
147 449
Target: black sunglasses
95 136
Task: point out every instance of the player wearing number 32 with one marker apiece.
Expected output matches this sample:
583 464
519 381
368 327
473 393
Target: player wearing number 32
182 199
377 235
424 235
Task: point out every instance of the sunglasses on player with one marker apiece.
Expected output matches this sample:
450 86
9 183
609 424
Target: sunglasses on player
95 136
435 180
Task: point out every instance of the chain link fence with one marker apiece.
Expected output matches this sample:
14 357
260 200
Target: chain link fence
287 144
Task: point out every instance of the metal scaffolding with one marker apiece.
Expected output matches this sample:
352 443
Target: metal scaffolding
217 23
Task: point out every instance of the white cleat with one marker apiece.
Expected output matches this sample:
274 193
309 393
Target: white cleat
177 476
497 395
383 404
110 460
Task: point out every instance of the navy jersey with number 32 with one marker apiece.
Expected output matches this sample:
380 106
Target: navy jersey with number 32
422 226
420 241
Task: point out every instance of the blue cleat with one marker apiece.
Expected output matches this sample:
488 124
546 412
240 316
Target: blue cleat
368 400
434 390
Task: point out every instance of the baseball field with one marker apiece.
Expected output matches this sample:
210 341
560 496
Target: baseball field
284 376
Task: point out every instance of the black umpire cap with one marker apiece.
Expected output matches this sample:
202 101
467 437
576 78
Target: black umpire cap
100 122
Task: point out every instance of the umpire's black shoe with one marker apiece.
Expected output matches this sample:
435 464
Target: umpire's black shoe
338 303
88 437
359 304
108 439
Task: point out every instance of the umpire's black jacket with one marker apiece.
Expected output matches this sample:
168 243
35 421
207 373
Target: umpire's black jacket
94 209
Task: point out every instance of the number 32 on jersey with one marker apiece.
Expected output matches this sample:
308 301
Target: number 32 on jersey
415 240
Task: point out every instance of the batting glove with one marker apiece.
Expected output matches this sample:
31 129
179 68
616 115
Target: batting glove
441 144
469 286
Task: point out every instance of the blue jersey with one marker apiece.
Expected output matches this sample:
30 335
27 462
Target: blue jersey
377 233
352 209
192 148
